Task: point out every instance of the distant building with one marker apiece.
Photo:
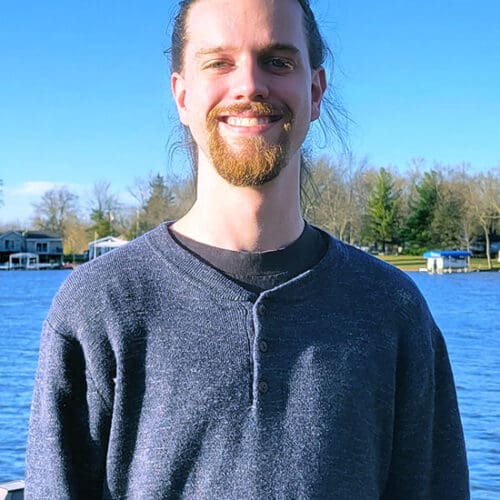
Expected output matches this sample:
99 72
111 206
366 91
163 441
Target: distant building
30 249
104 245
442 261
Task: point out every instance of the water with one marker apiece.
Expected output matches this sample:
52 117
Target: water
466 307
25 298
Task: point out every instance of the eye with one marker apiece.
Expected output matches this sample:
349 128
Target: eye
280 64
217 65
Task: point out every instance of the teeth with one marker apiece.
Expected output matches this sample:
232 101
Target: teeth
237 121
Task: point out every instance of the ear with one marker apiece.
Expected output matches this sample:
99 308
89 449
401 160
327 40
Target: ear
318 88
178 87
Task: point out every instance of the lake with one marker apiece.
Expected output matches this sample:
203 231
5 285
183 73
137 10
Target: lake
465 306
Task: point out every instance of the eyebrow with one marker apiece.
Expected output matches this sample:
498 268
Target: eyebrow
272 47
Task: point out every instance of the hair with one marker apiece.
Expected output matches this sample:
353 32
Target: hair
318 52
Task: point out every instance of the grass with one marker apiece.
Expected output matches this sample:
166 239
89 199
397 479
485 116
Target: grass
482 264
405 262
414 263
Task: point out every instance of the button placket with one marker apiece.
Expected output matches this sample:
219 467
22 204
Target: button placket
261 347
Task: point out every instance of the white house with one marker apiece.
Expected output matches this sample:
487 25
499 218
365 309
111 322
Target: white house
104 245
441 261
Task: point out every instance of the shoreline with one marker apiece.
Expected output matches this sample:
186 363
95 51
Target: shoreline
410 263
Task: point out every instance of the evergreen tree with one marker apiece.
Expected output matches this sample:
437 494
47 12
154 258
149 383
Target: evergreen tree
447 226
383 210
103 224
104 206
417 231
159 206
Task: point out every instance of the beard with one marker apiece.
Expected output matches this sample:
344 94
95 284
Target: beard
253 161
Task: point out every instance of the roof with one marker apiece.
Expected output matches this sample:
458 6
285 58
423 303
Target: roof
41 235
11 233
458 254
107 242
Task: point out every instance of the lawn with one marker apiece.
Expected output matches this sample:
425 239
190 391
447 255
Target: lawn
414 263
405 262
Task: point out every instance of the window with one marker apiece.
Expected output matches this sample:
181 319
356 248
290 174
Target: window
41 247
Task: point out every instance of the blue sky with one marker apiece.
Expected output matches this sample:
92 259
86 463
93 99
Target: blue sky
84 88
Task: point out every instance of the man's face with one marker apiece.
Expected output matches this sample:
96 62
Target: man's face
247 91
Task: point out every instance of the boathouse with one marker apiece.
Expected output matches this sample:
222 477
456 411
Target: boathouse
104 245
447 261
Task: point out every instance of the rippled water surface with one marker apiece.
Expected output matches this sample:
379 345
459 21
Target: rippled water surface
466 307
25 297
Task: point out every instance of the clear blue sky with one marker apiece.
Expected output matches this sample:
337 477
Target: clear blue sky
84 88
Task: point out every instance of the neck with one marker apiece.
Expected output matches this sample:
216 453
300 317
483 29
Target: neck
253 219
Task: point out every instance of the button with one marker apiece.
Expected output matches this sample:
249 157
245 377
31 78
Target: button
263 387
263 347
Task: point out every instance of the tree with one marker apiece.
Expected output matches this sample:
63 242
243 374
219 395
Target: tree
333 196
160 199
484 198
459 183
323 195
57 209
447 226
75 239
158 206
104 209
417 232
383 211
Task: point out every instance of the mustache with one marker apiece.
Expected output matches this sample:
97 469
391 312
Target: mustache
258 108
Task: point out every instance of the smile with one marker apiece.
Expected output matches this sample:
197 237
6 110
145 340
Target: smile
245 121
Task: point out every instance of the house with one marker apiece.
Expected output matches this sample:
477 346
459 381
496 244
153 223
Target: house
48 246
44 247
442 261
104 245
10 242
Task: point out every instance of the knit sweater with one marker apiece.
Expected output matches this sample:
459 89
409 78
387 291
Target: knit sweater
161 378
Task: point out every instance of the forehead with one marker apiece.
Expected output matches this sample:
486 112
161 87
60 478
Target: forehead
244 23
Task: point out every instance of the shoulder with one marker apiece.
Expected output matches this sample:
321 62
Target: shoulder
368 272
107 287
374 288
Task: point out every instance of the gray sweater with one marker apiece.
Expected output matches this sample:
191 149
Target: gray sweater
161 378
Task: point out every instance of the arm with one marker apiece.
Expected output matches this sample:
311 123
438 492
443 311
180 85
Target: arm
428 458
69 425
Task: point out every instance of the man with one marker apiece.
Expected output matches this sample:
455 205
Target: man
238 352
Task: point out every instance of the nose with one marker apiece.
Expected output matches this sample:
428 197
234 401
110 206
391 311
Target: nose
249 81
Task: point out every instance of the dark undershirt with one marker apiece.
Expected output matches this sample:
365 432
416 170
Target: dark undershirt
259 271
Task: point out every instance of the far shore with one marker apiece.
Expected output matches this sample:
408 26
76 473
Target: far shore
415 263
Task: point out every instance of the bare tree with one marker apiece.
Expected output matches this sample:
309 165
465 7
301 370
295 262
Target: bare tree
55 211
333 196
75 239
484 200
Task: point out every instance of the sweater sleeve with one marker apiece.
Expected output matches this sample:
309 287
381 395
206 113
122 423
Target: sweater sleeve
428 457
69 425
